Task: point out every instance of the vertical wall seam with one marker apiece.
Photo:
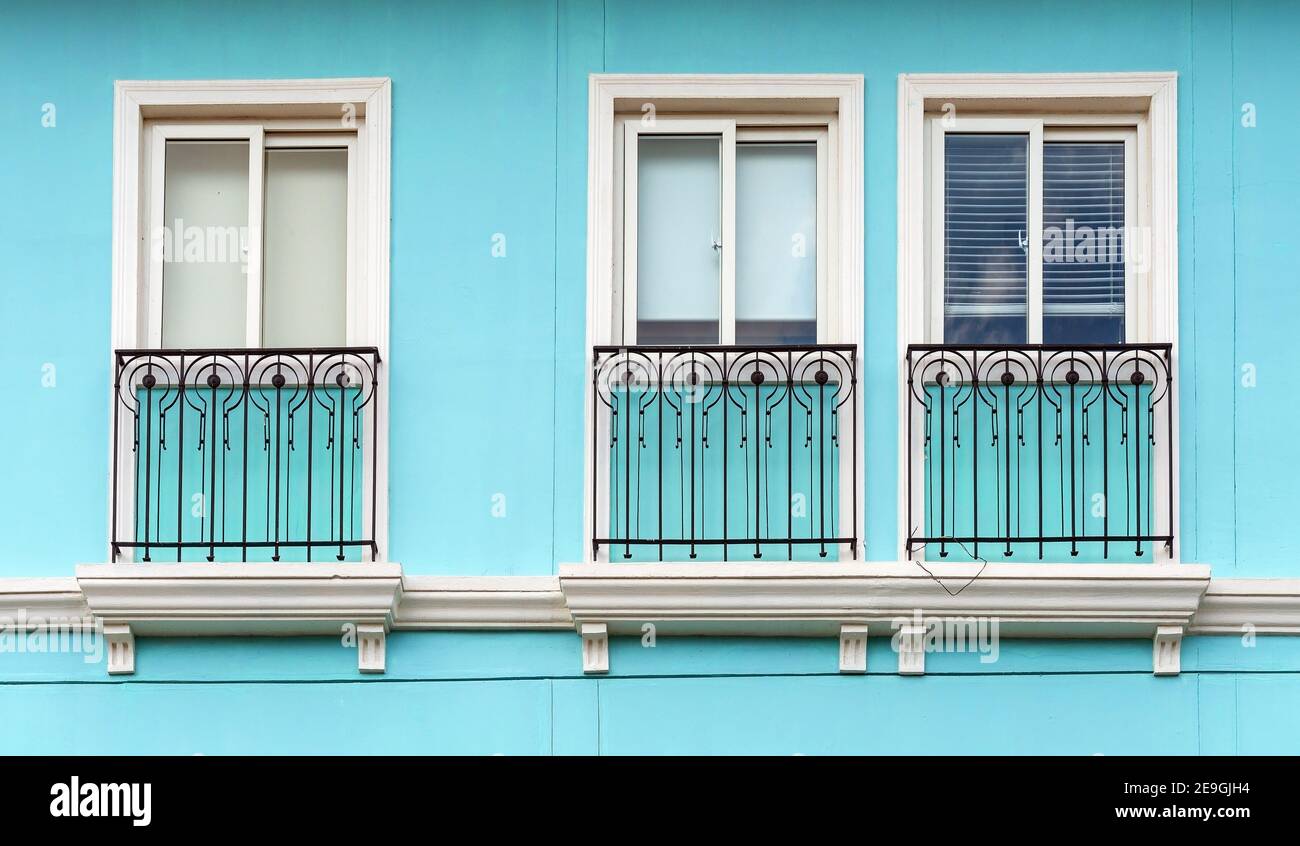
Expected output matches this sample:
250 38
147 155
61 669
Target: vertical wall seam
1232 164
1194 405
555 295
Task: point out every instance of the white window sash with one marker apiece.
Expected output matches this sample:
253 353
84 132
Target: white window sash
726 131
1134 307
254 135
1033 127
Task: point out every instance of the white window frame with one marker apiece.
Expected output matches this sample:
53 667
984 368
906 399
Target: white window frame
359 106
832 101
1064 103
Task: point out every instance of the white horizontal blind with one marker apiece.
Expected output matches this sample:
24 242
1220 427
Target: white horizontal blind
985 231
1083 241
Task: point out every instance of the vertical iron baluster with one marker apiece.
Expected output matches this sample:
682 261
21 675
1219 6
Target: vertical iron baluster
789 453
755 379
1074 465
943 456
1105 456
180 460
693 552
1006 435
276 451
1137 450
210 502
342 451
853 400
374 456
117 448
908 457
148 458
1169 443
659 449
311 417
1038 384
725 405
975 451
627 459
821 459
244 483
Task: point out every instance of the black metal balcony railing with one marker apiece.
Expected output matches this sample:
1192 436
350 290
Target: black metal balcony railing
1039 450
718 452
245 454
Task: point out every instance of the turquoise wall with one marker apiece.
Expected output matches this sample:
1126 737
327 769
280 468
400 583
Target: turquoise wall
490 137
517 693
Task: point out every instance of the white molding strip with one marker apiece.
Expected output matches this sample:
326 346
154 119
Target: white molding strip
482 602
208 599
28 602
1262 606
811 600
1048 600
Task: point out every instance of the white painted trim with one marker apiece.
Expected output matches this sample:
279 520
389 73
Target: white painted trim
1157 132
1099 600
1241 606
842 93
482 602
304 101
200 599
1068 601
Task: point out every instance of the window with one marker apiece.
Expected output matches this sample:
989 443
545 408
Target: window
1032 231
1038 317
724 259
250 270
252 228
723 230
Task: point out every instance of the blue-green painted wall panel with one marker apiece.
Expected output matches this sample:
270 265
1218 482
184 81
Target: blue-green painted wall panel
489 140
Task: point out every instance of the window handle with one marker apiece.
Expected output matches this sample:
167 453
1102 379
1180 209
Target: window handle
717 244
1023 241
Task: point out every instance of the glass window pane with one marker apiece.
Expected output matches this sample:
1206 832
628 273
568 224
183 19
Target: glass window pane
205 234
986 212
304 289
776 243
679 219
1083 242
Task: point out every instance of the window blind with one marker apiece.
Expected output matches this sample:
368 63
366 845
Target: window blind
1083 247
986 209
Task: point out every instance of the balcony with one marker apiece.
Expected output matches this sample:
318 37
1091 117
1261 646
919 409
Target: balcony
717 453
1040 452
245 454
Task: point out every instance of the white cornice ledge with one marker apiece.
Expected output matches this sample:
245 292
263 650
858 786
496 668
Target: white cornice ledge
1265 606
482 602
1106 600
244 599
35 601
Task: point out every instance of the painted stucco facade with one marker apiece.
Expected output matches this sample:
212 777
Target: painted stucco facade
487 374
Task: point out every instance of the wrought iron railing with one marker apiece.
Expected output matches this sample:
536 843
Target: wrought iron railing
723 452
245 454
1039 451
